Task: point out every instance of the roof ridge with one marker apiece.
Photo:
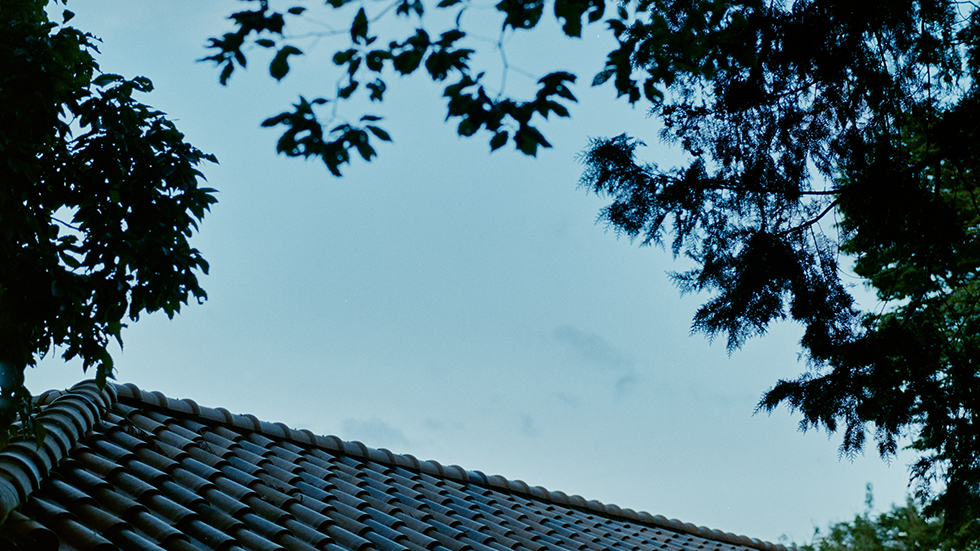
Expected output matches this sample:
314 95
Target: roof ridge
130 391
66 417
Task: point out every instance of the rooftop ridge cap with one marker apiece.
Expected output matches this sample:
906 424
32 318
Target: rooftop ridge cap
130 391
66 416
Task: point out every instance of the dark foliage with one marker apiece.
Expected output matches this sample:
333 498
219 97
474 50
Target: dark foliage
365 63
864 111
904 528
99 196
813 128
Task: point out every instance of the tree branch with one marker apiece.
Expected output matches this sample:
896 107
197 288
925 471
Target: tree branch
812 221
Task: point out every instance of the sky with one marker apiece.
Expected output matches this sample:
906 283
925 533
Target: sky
458 305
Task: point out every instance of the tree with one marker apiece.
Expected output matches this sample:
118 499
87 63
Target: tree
100 195
814 130
903 528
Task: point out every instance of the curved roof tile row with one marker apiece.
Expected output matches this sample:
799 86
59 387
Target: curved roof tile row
127 469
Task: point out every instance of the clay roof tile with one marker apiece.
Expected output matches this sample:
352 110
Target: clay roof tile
125 468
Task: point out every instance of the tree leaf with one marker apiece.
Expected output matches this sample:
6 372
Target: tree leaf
348 91
498 140
380 133
377 88
280 63
521 14
573 10
359 28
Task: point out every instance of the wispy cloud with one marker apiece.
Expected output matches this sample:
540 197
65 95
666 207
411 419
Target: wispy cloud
592 347
568 400
528 426
375 433
626 383
440 426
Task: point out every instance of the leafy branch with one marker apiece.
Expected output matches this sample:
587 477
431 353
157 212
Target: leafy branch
365 65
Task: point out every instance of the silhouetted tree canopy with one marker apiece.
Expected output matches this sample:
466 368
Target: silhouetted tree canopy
98 197
903 528
817 133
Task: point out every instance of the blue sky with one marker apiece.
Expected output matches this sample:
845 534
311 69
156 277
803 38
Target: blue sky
461 306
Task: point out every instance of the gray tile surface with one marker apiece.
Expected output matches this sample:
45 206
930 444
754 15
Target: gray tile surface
133 470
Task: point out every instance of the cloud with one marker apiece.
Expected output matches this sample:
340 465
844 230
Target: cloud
375 433
528 426
569 400
626 383
439 426
592 347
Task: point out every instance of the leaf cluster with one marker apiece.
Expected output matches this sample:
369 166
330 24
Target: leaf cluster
903 528
365 64
100 196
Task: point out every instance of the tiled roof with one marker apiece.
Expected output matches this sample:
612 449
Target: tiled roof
133 470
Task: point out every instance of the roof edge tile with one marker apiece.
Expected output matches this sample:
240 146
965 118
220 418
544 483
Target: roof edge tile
477 477
308 437
456 473
256 425
430 468
559 497
21 472
354 448
409 461
390 457
380 456
65 415
330 442
518 485
286 431
226 416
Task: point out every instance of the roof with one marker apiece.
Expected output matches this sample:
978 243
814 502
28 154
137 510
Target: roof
127 469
